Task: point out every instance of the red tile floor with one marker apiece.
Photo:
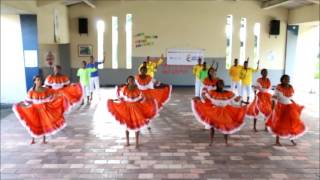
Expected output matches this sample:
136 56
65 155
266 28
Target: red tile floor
92 147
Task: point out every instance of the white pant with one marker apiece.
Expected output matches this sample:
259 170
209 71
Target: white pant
197 87
236 87
85 90
246 88
94 84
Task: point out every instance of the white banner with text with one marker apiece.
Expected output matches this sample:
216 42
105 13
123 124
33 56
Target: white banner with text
184 56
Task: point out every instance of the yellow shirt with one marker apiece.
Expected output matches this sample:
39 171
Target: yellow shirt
152 67
196 70
234 72
246 75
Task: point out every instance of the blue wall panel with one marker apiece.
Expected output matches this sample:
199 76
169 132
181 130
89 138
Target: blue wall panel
30 42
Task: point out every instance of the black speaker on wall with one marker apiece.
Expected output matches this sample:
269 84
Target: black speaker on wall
274 27
83 26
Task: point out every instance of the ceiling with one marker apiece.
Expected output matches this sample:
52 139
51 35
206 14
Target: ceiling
11 10
90 3
289 4
265 4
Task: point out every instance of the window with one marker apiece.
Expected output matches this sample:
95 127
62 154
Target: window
256 48
129 41
100 30
114 42
243 33
229 27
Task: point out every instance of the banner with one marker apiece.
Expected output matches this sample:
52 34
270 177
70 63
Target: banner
184 56
141 40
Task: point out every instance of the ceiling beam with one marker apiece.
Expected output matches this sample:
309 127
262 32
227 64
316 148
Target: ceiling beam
89 3
71 2
314 1
273 3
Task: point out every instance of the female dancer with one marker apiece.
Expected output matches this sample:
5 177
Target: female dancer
42 111
152 88
218 112
262 104
132 109
285 119
61 84
210 81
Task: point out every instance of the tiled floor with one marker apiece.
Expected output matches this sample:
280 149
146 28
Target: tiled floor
92 147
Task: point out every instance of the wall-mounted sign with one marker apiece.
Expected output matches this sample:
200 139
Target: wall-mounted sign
184 56
175 69
50 58
85 50
141 39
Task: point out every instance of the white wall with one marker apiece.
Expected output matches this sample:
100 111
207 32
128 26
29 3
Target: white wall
45 17
307 50
306 58
13 82
304 14
180 24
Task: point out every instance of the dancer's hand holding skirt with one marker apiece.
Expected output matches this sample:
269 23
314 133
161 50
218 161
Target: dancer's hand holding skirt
44 115
226 118
285 121
160 94
261 105
133 111
154 90
61 85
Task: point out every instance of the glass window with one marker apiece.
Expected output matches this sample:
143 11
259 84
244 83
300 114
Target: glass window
229 30
256 48
114 42
243 35
129 41
100 30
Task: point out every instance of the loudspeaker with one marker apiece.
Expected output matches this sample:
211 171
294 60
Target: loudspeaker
83 26
274 27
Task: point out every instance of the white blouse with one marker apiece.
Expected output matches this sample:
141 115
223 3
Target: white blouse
129 99
150 85
221 103
260 88
56 85
278 95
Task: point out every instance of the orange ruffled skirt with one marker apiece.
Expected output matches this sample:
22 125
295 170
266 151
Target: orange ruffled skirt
262 104
227 119
285 121
160 94
73 93
42 119
134 115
